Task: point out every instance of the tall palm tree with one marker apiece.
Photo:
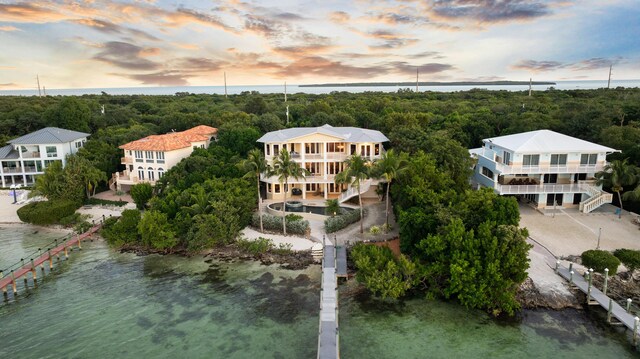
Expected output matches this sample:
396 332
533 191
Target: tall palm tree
255 165
200 202
616 175
388 167
357 170
284 167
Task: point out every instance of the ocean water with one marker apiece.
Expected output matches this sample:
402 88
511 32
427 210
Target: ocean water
291 89
104 304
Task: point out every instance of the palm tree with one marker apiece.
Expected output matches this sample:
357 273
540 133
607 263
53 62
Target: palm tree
357 170
284 167
616 175
201 202
388 167
254 165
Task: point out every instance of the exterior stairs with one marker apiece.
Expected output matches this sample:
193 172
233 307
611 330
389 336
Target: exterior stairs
353 191
597 198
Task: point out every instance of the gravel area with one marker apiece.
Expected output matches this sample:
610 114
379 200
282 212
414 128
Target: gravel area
298 243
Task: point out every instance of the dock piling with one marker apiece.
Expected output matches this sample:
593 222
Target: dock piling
571 277
609 310
557 266
635 330
606 279
79 243
13 284
50 259
4 289
628 305
590 284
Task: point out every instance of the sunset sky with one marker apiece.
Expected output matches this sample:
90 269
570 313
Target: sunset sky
84 44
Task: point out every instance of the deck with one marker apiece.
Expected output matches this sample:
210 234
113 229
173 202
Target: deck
334 264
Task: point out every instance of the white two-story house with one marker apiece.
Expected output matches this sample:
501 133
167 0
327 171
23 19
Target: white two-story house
545 167
147 159
27 156
322 152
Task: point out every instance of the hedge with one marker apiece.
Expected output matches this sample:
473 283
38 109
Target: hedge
47 212
334 224
599 260
630 258
274 223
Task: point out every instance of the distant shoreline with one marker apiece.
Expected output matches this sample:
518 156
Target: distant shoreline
458 83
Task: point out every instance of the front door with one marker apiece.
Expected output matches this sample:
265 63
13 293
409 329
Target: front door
557 197
551 178
577 198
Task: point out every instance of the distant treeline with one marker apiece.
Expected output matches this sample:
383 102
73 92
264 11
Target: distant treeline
431 83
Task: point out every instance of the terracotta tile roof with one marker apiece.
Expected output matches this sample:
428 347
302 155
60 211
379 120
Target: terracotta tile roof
171 141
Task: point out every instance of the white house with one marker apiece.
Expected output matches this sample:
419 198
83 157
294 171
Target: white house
147 159
545 167
27 156
321 151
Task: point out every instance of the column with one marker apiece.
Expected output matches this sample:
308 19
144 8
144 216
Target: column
2 174
324 162
304 191
302 151
326 190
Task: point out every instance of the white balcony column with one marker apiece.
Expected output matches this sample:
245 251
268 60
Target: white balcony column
541 180
326 190
304 191
302 151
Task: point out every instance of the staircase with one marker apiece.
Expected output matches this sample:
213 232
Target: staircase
597 199
353 191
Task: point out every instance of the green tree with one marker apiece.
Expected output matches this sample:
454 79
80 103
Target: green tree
284 167
51 184
124 229
141 194
155 230
255 165
389 166
71 114
332 206
617 174
238 138
357 170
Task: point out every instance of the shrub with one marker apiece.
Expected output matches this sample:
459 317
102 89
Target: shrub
274 223
599 260
82 227
292 217
141 194
98 201
332 206
334 224
119 231
630 258
374 230
257 246
47 212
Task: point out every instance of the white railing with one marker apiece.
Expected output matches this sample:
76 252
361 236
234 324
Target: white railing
353 191
545 188
597 199
545 168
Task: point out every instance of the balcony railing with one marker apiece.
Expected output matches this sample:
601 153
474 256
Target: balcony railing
545 188
126 160
544 168
26 169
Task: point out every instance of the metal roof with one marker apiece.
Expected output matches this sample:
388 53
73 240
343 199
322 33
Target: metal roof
542 141
49 135
7 152
347 134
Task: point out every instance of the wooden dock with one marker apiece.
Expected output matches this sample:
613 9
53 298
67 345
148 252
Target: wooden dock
616 314
334 264
22 268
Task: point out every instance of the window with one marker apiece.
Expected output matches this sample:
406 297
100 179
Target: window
487 172
312 148
276 149
52 151
160 157
78 144
507 158
335 147
559 160
140 173
138 156
588 159
151 174
149 155
160 172
530 160
276 188
268 147
377 149
269 188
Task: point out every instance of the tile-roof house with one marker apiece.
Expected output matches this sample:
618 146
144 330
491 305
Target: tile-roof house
147 159
321 151
545 168
27 156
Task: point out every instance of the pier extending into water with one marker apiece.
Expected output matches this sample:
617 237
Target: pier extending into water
616 314
22 268
334 265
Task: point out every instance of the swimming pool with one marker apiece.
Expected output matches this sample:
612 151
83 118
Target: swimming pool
299 207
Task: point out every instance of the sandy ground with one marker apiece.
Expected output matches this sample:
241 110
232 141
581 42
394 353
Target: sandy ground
8 209
112 196
571 232
541 271
96 213
298 243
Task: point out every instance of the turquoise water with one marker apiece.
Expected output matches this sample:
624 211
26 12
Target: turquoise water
104 304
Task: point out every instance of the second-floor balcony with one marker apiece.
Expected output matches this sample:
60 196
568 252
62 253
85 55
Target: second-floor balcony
126 160
544 188
25 169
311 178
548 168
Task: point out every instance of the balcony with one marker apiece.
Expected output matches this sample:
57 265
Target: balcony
30 154
126 160
312 178
26 169
546 168
545 188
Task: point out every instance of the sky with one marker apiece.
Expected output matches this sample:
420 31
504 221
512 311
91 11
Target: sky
103 44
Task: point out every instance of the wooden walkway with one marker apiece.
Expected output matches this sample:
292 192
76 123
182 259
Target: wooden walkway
334 264
595 297
30 265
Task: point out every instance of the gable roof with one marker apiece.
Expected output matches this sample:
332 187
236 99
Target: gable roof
348 134
49 135
546 141
171 141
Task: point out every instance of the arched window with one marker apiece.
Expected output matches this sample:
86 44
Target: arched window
140 173
151 174
160 172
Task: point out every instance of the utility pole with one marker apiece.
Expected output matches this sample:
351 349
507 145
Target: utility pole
609 82
44 90
529 86
417 74
38 80
225 84
285 100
